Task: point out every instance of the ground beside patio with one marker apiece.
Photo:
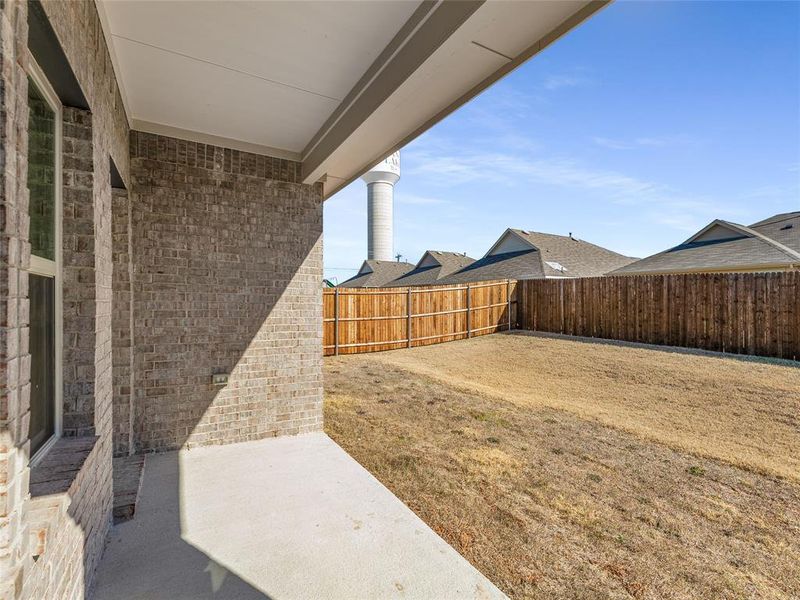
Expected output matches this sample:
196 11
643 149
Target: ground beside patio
583 469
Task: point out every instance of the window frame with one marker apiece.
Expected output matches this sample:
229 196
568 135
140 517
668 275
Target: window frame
52 268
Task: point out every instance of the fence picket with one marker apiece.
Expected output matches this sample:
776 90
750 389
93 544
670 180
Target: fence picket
742 313
375 319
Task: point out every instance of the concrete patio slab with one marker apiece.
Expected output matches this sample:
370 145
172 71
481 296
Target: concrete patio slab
285 518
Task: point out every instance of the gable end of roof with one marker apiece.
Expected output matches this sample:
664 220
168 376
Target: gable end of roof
517 233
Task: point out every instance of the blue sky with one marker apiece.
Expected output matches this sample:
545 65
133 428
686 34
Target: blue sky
632 132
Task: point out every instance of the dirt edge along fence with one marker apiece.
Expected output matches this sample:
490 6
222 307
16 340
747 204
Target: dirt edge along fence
357 320
739 313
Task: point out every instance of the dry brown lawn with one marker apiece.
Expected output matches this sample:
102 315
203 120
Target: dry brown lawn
563 468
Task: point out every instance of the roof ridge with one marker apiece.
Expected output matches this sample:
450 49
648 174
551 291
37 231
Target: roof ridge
604 249
394 262
547 233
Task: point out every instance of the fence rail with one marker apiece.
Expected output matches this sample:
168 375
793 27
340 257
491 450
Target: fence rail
742 313
375 319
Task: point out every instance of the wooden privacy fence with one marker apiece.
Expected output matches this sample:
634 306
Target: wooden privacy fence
743 313
359 320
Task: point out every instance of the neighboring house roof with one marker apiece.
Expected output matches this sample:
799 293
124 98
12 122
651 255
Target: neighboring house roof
783 228
433 267
578 257
520 254
377 273
522 264
727 246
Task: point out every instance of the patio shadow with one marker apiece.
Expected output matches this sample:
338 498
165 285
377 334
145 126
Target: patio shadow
148 557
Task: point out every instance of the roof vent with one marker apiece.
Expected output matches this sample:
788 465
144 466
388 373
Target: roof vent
555 266
785 227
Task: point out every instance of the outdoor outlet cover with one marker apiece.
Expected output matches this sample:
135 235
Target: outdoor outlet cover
219 378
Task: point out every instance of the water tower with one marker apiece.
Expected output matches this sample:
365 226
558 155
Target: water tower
380 199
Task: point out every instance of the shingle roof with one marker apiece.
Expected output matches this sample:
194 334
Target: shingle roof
783 228
377 273
524 264
578 257
432 268
780 217
770 243
547 255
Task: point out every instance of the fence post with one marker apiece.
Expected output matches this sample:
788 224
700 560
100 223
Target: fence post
408 317
508 299
336 322
469 312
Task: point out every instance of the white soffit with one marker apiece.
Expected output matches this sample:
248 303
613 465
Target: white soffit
338 85
498 37
267 74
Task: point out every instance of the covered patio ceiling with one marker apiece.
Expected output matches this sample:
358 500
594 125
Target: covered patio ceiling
336 85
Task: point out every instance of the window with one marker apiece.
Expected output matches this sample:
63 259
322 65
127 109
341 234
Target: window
44 275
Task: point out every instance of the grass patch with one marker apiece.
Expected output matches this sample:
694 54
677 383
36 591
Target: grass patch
637 516
663 396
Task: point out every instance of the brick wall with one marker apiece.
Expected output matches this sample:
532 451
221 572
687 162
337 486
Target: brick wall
67 526
121 324
227 272
14 260
80 34
78 518
78 273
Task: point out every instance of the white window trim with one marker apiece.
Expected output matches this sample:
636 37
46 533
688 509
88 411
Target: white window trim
53 268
